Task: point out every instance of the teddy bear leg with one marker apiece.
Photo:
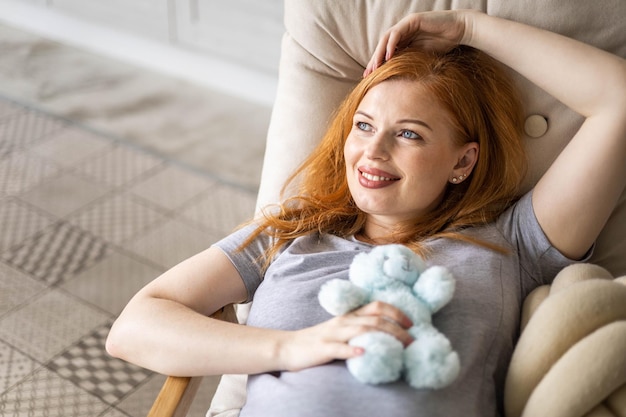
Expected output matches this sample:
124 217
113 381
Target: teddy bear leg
430 361
382 360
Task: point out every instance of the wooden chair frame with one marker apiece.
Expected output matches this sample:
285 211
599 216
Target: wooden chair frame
178 392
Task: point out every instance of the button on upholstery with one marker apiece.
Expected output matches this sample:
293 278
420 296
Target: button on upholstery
536 125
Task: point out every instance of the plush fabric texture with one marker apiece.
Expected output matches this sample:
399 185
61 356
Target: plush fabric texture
325 48
396 275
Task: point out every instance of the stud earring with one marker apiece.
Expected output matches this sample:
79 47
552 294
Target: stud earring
459 178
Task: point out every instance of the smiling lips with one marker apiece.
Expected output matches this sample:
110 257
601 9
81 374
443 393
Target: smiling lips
374 178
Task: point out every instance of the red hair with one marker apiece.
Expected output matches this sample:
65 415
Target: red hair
485 107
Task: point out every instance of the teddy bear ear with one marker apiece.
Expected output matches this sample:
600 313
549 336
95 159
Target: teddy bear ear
365 269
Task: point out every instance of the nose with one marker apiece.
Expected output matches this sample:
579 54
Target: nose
378 147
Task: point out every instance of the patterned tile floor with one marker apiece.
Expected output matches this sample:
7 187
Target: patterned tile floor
85 221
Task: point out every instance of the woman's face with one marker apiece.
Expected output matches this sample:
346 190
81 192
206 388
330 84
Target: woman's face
400 154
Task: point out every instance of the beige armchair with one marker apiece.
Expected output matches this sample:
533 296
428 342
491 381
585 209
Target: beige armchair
325 48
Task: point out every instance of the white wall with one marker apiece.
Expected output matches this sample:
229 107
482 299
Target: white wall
229 45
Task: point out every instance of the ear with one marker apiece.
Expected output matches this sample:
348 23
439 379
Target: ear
468 156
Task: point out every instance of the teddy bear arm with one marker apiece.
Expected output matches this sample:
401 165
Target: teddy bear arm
435 287
339 296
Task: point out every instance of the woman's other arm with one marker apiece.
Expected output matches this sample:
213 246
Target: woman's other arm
165 327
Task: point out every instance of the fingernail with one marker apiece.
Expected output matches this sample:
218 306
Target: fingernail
358 351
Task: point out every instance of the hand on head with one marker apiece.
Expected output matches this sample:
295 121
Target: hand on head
436 31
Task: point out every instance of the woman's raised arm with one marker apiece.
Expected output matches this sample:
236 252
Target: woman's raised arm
575 197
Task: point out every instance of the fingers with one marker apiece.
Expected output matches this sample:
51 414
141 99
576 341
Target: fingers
379 55
328 341
314 346
390 41
377 316
386 311
431 31
344 351
386 48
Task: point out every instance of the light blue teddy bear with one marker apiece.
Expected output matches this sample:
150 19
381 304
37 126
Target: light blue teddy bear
396 275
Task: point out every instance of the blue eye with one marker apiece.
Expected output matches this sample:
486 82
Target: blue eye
408 134
366 127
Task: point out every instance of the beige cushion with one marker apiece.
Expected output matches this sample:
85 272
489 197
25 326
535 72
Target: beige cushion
328 42
570 356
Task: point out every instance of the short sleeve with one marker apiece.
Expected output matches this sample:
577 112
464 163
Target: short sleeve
539 260
249 260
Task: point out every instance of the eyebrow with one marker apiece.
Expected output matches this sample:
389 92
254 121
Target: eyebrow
417 122
414 121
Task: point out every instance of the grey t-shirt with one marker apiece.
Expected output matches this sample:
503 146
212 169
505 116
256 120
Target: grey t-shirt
481 321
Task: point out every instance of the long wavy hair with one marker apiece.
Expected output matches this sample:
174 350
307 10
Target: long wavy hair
485 107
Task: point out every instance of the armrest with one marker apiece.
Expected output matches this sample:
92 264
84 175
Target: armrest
175 397
177 393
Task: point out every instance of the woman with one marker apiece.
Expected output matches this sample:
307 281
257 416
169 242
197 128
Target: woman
426 152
